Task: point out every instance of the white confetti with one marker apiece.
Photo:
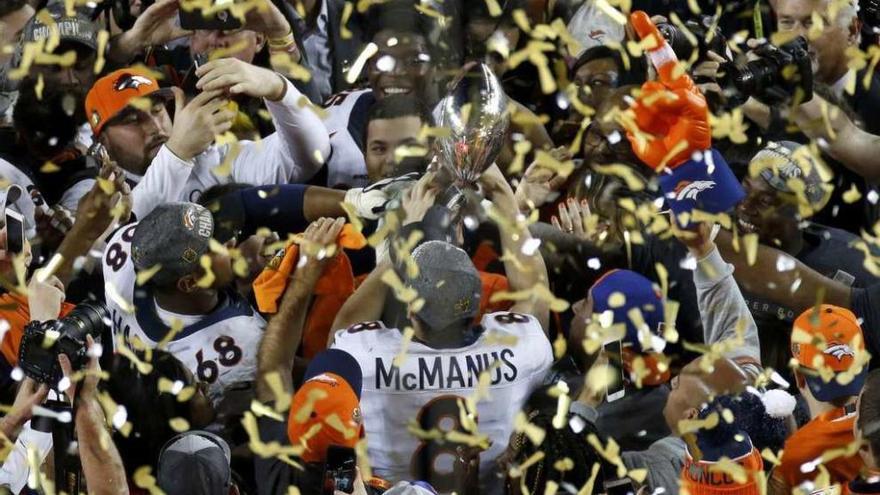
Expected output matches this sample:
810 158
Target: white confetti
594 263
784 264
63 384
614 137
530 247
17 374
873 197
96 351
120 417
4 327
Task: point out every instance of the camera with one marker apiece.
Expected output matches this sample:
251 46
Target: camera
701 29
773 78
42 342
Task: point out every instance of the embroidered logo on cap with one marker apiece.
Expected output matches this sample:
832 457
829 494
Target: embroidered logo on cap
690 190
129 81
840 351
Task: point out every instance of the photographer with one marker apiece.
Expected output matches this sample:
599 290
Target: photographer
43 298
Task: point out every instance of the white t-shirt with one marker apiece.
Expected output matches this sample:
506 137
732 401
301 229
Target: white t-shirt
219 348
429 383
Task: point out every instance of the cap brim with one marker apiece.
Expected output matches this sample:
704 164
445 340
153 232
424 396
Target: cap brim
829 391
165 94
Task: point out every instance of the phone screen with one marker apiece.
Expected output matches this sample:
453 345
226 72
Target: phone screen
14 232
614 351
340 470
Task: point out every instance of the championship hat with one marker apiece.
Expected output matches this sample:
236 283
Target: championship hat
829 340
195 463
785 163
113 95
449 283
174 236
55 20
326 410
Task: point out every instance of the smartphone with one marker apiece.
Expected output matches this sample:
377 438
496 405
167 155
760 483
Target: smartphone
14 232
340 470
614 351
221 21
620 486
188 85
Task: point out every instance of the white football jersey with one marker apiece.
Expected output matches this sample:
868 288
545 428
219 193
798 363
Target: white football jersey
220 348
346 122
427 386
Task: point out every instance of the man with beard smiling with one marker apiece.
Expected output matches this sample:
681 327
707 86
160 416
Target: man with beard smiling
177 161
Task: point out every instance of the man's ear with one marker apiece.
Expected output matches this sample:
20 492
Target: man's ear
261 40
691 413
187 283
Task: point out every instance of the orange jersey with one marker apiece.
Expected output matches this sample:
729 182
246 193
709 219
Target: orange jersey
828 431
14 309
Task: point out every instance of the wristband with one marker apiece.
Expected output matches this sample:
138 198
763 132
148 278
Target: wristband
282 42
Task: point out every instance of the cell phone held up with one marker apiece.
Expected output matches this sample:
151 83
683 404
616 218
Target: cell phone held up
14 232
616 389
221 20
340 470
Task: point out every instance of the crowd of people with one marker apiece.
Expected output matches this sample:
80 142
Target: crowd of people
429 247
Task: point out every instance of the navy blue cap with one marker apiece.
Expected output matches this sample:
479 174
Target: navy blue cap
339 363
639 293
706 184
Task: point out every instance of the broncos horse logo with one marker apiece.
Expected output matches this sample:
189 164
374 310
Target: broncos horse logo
690 190
839 351
129 81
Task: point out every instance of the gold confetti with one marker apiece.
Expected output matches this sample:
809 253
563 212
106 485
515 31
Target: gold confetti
852 195
178 424
347 10
400 359
143 478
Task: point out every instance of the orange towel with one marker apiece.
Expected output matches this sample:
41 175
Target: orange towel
332 290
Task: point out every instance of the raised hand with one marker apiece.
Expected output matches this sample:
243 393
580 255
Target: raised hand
237 77
45 298
96 210
198 123
540 185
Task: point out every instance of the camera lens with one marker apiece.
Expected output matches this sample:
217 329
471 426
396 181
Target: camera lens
85 319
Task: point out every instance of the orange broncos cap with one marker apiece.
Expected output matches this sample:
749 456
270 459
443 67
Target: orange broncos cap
114 92
326 409
829 337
